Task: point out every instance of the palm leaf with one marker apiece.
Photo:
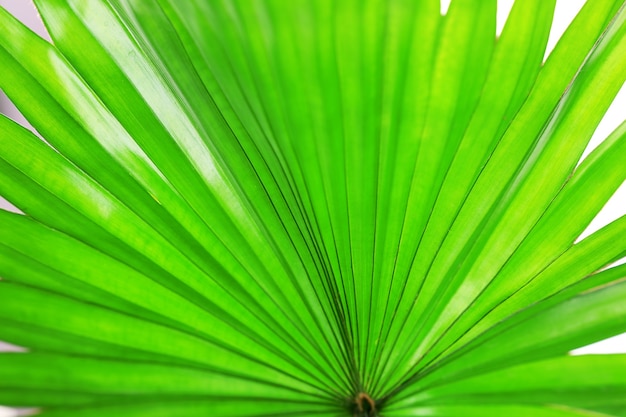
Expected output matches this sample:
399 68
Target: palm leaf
271 208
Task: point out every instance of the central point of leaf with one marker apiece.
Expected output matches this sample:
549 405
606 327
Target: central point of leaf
364 406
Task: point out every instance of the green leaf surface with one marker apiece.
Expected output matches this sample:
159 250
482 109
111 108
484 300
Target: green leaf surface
525 197
353 207
119 378
495 411
180 408
576 381
63 314
543 330
543 247
98 203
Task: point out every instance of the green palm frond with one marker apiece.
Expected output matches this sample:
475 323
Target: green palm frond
311 208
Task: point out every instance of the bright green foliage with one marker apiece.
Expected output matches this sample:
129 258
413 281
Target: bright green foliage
310 208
